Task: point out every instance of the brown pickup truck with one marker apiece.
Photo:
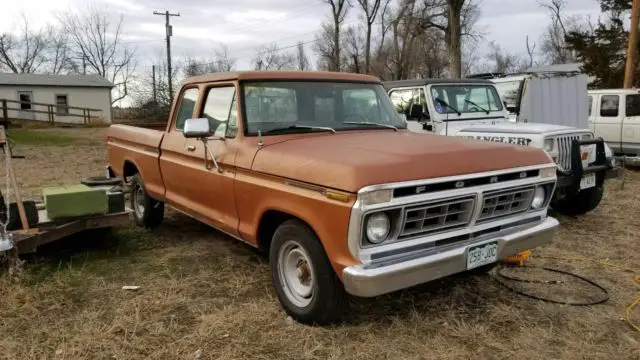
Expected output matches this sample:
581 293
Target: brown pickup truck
318 170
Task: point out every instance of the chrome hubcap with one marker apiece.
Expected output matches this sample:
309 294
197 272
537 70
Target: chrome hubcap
138 201
296 273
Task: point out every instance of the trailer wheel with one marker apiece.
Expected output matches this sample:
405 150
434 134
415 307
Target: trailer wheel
147 211
580 203
304 281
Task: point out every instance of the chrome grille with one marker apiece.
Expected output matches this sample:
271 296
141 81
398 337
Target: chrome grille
505 202
564 150
431 217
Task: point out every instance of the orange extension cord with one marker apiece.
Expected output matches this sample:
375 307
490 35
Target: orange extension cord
520 259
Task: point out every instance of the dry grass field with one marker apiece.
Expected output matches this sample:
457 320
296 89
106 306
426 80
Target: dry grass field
205 296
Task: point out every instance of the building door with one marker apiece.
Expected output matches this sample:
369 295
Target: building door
25 106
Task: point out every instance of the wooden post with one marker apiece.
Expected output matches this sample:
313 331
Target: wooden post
632 48
88 117
5 114
14 182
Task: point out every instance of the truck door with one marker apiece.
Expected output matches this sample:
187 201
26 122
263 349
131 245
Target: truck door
609 123
204 193
631 125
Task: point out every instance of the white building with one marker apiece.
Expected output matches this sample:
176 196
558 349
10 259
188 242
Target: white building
79 99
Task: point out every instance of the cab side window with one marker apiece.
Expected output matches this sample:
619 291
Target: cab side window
221 111
609 105
187 104
402 99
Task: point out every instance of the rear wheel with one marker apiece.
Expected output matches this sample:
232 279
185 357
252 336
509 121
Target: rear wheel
580 203
147 211
304 281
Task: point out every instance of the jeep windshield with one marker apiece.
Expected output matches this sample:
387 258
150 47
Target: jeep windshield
482 99
283 107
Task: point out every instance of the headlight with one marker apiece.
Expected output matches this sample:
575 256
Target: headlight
539 196
378 226
548 145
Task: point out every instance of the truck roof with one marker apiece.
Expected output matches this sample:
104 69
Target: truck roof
421 82
282 75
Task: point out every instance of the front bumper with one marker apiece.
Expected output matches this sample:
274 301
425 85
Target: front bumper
570 180
376 278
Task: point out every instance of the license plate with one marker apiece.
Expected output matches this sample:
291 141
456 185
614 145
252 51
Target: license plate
482 254
588 181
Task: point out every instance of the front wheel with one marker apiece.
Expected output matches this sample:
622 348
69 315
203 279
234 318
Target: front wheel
304 281
580 203
147 211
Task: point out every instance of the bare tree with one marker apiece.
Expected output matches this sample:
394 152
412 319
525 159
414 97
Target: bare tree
338 13
302 61
530 51
222 59
500 61
370 9
94 38
269 57
353 55
24 52
553 39
58 54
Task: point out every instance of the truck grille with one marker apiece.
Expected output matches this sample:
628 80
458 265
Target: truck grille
432 217
505 202
564 150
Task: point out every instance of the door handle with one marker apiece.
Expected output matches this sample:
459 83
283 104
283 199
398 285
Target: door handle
191 148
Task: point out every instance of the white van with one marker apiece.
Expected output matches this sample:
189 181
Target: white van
614 115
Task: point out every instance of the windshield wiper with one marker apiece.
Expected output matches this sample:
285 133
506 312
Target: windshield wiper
371 123
476 105
446 104
292 127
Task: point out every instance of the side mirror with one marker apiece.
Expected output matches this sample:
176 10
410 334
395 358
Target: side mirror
416 111
197 128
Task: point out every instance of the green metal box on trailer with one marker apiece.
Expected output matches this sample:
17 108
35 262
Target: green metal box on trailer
74 200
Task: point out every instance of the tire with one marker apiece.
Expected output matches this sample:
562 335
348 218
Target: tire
147 211
580 203
100 181
323 298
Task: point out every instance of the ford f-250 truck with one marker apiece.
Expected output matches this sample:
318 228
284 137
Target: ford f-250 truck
319 170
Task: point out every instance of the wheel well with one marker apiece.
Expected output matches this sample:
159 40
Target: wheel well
129 169
269 222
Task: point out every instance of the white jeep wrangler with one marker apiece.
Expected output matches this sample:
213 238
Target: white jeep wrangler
472 108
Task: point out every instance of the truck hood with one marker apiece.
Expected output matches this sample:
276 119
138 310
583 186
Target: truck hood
349 161
518 128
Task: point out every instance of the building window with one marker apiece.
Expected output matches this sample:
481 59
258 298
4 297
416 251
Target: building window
62 105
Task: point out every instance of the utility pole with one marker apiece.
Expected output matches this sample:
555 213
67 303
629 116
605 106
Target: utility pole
169 31
153 73
633 42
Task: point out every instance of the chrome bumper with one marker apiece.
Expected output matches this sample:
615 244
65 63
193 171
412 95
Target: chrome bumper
378 278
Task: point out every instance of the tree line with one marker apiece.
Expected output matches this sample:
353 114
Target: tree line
391 39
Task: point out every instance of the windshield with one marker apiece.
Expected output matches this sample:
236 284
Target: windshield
509 91
465 98
304 106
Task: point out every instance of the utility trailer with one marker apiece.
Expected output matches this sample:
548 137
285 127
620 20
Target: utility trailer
34 226
47 230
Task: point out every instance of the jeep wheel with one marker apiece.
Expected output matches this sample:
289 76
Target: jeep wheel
147 211
580 203
305 283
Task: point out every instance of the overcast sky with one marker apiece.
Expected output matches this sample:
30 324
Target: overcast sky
243 25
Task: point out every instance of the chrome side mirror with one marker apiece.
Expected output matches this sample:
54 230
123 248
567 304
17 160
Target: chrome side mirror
200 129
197 128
